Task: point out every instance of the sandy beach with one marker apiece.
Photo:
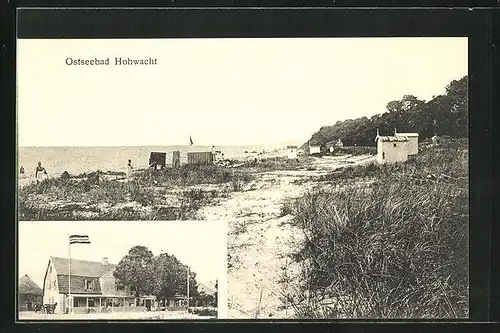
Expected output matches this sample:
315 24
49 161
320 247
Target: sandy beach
260 241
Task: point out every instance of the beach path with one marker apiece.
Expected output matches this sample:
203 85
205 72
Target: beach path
260 239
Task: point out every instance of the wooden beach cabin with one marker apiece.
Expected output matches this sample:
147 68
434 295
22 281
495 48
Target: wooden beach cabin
157 160
391 149
93 288
176 159
29 294
200 157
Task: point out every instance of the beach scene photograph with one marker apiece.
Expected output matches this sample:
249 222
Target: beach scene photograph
130 271
340 165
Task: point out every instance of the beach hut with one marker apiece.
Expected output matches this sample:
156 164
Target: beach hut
176 159
412 145
29 295
391 149
291 152
200 157
314 150
339 144
157 160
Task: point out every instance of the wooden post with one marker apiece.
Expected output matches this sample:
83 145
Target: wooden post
258 306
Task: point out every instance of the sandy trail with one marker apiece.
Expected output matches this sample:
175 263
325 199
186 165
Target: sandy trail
260 240
152 315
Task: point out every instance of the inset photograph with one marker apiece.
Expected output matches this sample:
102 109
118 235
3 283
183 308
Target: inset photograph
130 271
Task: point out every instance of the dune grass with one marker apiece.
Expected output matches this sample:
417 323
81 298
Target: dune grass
150 194
276 164
397 248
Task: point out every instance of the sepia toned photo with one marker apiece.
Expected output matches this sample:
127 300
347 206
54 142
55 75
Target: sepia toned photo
146 271
340 165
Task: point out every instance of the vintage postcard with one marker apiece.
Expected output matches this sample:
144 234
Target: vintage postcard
340 165
122 271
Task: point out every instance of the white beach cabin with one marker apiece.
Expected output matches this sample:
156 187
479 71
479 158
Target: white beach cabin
412 141
314 150
291 152
391 149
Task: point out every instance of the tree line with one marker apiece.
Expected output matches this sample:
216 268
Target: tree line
162 276
443 115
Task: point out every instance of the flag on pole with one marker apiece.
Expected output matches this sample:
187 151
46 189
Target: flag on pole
74 239
79 239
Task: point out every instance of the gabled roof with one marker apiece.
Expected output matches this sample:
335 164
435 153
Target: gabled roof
392 138
407 134
81 267
28 286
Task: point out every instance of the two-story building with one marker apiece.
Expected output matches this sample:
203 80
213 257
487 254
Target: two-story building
93 288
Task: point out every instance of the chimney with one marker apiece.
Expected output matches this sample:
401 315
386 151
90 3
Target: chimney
104 261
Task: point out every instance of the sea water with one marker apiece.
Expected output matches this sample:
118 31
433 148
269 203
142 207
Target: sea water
77 160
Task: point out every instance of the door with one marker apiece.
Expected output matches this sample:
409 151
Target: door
148 304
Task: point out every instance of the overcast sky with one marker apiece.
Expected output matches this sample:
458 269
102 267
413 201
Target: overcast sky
222 91
200 245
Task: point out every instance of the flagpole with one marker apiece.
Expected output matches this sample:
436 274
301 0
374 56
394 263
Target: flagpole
70 308
187 271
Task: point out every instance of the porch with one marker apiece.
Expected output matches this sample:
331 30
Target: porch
98 303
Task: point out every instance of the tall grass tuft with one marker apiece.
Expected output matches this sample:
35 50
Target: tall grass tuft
397 248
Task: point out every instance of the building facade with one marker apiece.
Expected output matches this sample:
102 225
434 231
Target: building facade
391 149
412 144
93 288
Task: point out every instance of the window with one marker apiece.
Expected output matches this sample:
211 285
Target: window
394 145
88 284
91 303
119 286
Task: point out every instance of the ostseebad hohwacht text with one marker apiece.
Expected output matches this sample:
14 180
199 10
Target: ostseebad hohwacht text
117 61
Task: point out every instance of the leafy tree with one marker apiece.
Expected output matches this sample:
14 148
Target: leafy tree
135 270
170 277
163 275
443 115
216 291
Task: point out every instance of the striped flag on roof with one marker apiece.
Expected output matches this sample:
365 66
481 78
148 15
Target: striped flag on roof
79 239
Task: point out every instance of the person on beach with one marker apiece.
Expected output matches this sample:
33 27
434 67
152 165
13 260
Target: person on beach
40 172
129 170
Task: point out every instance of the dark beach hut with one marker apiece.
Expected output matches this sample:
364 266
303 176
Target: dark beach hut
29 294
157 160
